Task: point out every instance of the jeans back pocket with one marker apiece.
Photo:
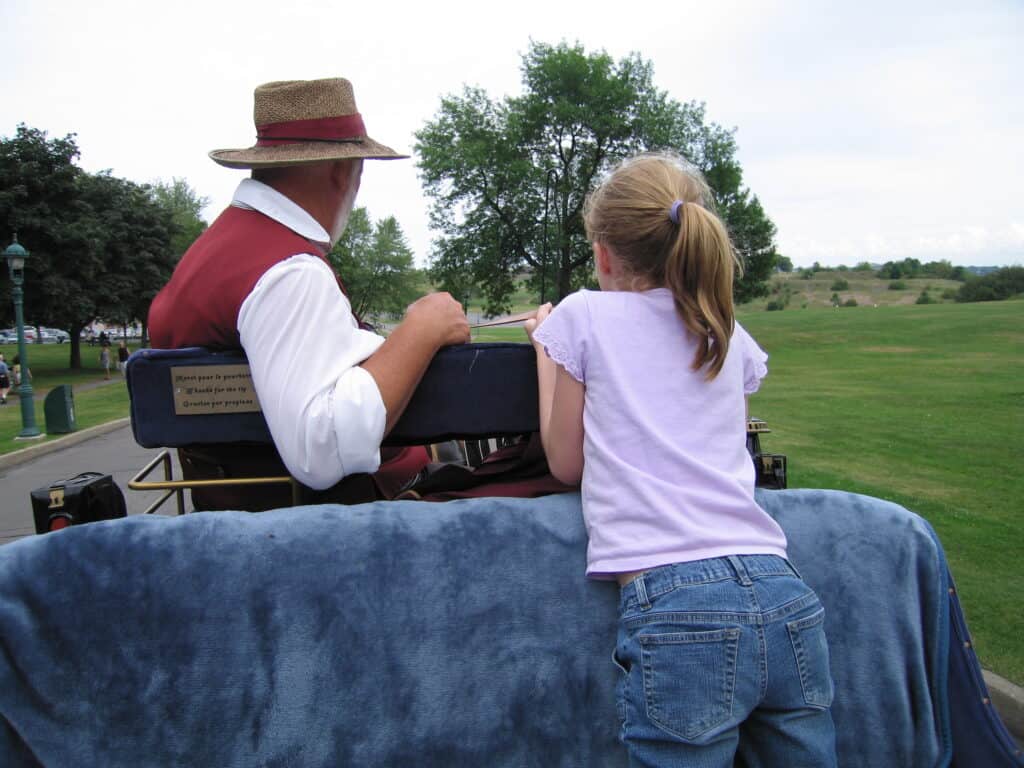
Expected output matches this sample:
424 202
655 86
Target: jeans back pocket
689 679
811 648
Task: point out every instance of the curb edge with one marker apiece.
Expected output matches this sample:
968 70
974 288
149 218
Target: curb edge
15 458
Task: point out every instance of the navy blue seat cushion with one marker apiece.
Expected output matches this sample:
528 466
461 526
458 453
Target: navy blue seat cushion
470 390
405 633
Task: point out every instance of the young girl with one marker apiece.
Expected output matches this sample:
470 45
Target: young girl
642 396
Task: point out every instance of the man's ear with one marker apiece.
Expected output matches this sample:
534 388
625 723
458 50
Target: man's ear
602 259
340 174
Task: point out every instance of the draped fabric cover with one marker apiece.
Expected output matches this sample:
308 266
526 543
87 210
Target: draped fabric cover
404 633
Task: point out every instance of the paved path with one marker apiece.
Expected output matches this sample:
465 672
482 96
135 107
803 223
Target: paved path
14 394
115 453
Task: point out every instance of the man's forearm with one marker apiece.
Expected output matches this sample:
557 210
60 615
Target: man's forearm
397 367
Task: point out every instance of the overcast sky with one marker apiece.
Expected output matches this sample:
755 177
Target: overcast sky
870 131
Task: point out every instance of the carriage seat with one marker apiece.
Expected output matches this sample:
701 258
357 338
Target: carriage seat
478 394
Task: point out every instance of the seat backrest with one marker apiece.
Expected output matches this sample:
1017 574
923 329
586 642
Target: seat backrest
195 396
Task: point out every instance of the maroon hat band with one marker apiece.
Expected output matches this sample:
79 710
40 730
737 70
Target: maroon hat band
342 129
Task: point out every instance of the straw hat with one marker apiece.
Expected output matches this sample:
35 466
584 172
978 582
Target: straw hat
305 121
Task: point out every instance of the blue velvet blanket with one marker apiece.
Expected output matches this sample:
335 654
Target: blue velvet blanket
413 634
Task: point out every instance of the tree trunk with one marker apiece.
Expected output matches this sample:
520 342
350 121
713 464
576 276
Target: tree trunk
564 274
75 363
144 341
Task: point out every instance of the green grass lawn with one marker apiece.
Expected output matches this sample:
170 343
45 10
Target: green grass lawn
49 366
921 405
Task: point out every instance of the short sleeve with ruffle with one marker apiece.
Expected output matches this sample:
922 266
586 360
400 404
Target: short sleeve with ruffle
564 335
754 360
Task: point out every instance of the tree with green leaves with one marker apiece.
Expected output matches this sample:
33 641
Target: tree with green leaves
376 265
186 208
98 243
1002 284
508 178
38 186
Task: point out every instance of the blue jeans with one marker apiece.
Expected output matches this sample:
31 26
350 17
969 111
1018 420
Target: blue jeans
724 659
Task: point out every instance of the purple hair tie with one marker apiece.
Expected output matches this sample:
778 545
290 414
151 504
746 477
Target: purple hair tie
674 210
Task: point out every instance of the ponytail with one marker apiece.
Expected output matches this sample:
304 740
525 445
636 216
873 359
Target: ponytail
654 212
699 271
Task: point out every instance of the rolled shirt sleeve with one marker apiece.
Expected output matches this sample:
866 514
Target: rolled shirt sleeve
325 413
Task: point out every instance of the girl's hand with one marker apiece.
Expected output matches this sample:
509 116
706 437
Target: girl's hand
533 323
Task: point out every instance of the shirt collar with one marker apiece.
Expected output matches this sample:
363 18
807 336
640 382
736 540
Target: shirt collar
257 196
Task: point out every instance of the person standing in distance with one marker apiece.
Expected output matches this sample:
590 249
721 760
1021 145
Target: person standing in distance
258 279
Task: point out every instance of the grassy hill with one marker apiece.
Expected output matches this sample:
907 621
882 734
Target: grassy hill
799 292
812 292
919 404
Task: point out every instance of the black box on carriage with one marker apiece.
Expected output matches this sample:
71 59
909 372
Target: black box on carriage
84 498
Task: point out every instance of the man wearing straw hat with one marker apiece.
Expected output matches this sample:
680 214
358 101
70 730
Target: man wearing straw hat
258 278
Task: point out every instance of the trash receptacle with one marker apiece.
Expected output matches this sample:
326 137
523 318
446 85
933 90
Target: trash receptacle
59 408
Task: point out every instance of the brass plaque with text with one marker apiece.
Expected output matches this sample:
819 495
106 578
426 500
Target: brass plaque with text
205 389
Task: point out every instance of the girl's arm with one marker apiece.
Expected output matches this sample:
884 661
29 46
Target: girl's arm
563 437
560 398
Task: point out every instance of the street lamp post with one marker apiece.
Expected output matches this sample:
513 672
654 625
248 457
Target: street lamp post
16 256
544 257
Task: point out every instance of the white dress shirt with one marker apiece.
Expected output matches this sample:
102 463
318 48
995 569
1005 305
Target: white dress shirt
304 347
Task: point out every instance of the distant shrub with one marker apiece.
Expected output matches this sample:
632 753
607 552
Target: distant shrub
949 293
840 285
863 267
775 306
850 303
998 285
925 298
806 274
842 268
897 285
893 270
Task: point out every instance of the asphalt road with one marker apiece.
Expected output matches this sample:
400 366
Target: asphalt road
115 453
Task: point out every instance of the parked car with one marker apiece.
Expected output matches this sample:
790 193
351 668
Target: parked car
59 335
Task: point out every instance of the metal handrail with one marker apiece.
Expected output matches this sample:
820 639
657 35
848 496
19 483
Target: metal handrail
177 487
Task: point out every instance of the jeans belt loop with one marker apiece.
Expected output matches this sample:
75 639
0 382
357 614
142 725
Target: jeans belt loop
740 569
641 593
794 570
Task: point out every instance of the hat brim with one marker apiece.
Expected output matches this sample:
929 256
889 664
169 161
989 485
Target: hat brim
303 154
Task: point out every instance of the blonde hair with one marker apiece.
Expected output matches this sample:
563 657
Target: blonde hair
631 213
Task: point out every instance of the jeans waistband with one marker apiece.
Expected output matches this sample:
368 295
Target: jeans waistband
665 578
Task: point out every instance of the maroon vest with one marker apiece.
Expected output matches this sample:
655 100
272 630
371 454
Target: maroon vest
199 306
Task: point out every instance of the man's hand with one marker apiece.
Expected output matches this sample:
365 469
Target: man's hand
440 318
532 324
397 366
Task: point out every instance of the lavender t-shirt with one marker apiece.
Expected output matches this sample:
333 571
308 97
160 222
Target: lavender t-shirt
666 474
